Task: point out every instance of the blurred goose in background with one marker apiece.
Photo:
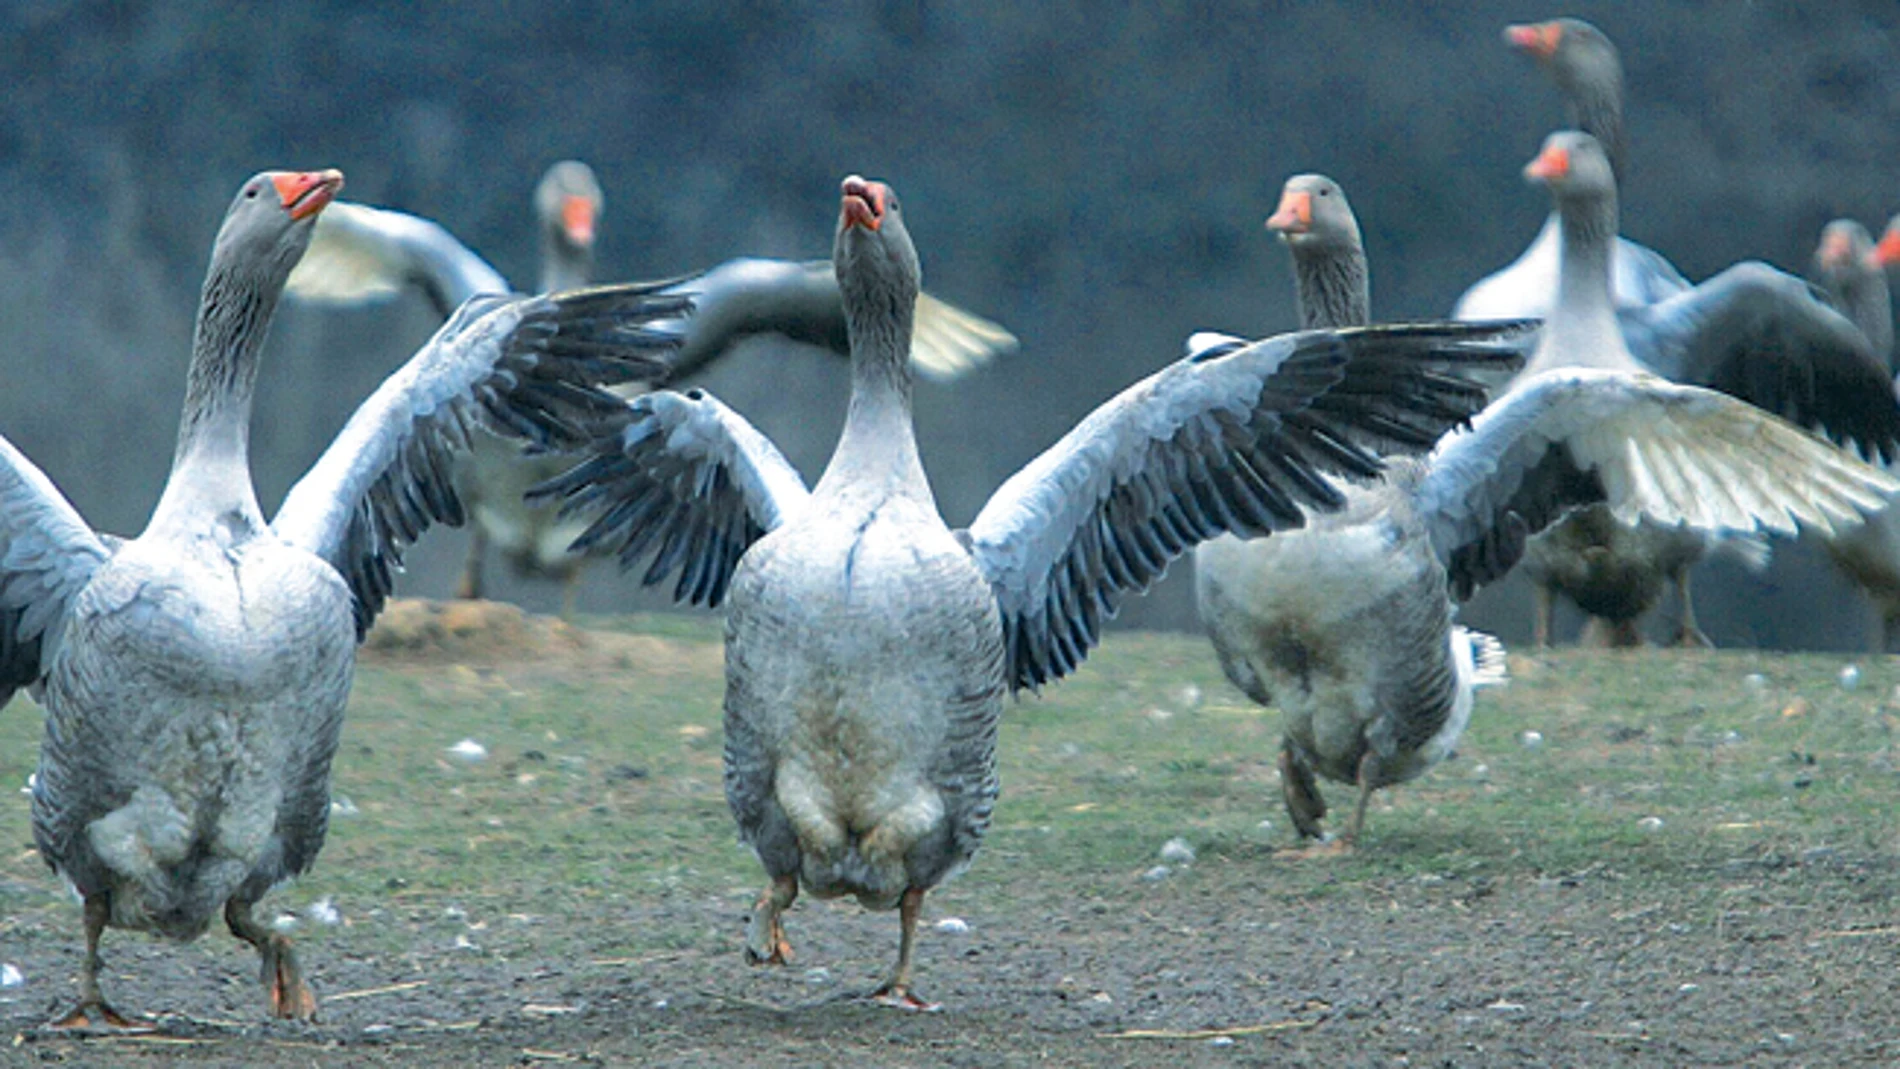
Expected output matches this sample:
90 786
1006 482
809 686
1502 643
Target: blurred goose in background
361 254
869 646
1587 72
1346 625
1853 270
194 678
1752 332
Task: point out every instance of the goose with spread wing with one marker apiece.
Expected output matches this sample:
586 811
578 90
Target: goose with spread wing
869 646
1347 624
361 253
194 677
1583 63
1751 332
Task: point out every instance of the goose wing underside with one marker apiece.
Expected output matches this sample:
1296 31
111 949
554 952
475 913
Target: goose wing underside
1649 448
359 254
687 479
747 297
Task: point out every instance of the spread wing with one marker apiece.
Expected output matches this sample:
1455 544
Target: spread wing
520 366
1766 337
1234 437
799 299
1649 448
359 254
47 554
688 475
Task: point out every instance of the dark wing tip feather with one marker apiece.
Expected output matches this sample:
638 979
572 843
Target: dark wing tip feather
541 388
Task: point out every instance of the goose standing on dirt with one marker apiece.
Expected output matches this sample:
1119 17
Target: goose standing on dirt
1346 625
361 253
1585 67
869 647
194 677
1752 332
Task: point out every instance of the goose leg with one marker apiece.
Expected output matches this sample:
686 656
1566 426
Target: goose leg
92 1011
1603 633
896 991
290 997
570 594
1368 782
1303 802
765 942
470 587
1542 603
1690 636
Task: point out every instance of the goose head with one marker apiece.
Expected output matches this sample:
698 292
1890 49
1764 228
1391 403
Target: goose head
878 273
568 202
1313 213
1846 247
268 225
1579 56
1574 167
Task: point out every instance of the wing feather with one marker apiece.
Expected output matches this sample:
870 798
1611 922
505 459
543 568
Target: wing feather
1649 448
47 555
523 366
1231 438
688 474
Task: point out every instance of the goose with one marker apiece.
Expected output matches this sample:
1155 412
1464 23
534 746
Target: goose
1346 625
1583 63
194 677
1752 332
362 254
869 646
493 477
1852 269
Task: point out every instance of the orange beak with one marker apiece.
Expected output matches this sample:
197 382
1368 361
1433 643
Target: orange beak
1294 215
863 203
305 193
1550 163
1538 39
577 219
1887 253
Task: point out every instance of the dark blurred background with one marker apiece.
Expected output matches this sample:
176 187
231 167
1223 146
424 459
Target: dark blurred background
1092 176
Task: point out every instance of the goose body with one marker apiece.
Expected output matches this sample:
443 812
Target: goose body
869 646
194 677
